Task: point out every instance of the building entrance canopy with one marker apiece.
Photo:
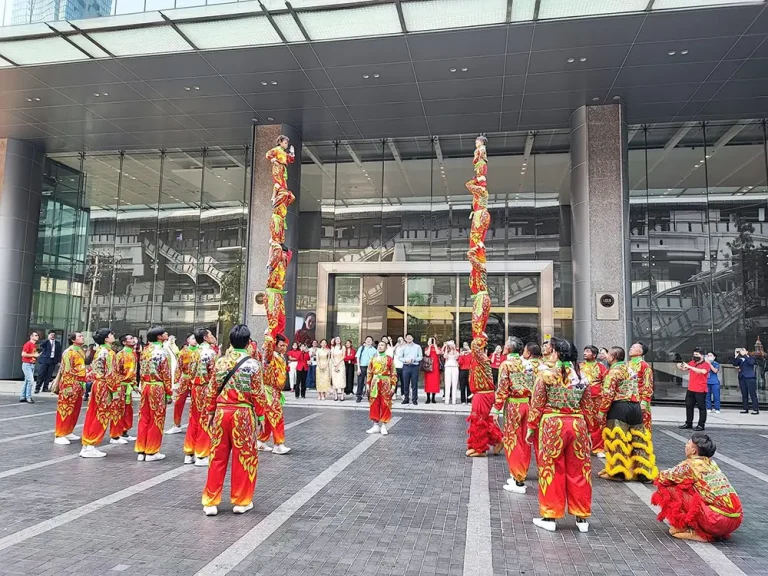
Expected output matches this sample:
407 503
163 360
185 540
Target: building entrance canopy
198 76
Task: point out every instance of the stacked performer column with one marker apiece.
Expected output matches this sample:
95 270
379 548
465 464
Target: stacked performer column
483 431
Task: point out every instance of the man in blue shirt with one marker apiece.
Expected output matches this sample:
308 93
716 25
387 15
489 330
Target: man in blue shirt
410 355
364 355
747 380
713 383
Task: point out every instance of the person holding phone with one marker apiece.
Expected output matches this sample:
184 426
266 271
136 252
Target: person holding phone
713 384
747 380
698 370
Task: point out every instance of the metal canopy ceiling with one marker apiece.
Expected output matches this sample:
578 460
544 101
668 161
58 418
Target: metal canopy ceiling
702 64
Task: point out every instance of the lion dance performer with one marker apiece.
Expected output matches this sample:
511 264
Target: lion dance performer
156 394
483 431
562 414
595 372
235 404
197 442
381 381
275 375
642 442
106 402
183 376
71 389
513 396
125 365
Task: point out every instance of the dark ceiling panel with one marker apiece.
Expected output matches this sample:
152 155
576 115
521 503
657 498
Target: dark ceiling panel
17 79
354 76
390 110
555 100
480 67
326 131
48 97
177 88
380 94
465 123
116 92
385 128
211 104
110 110
147 124
676 25
183 65
318 78
252 60
752 69
748 106
73 74
552 35
367 51
663 74
755 46
639 112
460 89
517 64
724 70
462 105
553 117
459 44
254 83
709 50
597 58
569 81
59 114
744 89
91 126
111 141
8 118
655 94
294 99
760 25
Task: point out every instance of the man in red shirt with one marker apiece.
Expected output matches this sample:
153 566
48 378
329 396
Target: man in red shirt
698 371
29 356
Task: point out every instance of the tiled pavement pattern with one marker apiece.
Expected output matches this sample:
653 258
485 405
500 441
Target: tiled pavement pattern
399 508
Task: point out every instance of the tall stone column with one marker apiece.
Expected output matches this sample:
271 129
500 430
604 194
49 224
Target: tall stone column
600 226
259 216
21 182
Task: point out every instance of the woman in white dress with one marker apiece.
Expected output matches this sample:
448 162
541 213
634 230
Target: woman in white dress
338 370
451 356
323 377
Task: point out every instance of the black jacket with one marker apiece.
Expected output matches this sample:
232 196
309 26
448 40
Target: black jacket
45 352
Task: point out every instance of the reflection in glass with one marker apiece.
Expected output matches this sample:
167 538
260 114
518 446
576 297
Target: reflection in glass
344 312
431 308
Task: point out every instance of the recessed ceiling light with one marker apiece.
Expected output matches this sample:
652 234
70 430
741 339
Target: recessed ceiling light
617 97
29 99
696 166
464 69
187 88
271 119
96 94
254 119
453 69
595 99
274 83
683 52
571 60
583 59
263 83
376 75
671 52
196 87
366 76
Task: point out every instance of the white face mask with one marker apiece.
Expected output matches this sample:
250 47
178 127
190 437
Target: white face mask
710 358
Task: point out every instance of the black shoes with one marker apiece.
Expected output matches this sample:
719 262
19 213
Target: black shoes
405 401
685 426
428 400
359 399
744 412
415 403
699 429
755 412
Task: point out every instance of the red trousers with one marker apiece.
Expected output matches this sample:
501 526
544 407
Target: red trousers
178 407
68 408
517 450
483 431
274 426
151 418
233 430
197 441
97 418
684 509
122 424
597 434
565 467
380 409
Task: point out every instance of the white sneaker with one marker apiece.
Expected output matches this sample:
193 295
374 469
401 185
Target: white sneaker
129 438
281 449
583 526
189 459
210 510
515 488
384 430
549 525
711 410
153 457
140 458
263 447
201 461
601 455
174 430
72 437
375 429
717 411
242 509
118 441
61 440
510 480
91 452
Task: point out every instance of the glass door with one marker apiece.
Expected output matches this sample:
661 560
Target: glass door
432 308
383 310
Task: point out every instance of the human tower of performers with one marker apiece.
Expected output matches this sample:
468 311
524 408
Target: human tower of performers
566 410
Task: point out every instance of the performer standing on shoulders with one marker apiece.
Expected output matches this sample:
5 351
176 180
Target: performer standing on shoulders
125 365
235 405
595 372
105 403
275 375
512 396
381 380
562 413
696 498
156 394
642 441
72 380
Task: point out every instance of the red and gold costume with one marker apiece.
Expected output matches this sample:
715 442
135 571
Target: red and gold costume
125 366
186 372
483 431
275 374
71 389
645 388
595 372
381 382
513 397
275 305
197 440
695 495
105 404
155 392
563 414
233 414
253 351
628 446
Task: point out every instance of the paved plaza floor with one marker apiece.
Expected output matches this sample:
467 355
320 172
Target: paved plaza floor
343 502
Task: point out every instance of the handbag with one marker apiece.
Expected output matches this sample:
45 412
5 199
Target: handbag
441 363
427 364
55 383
